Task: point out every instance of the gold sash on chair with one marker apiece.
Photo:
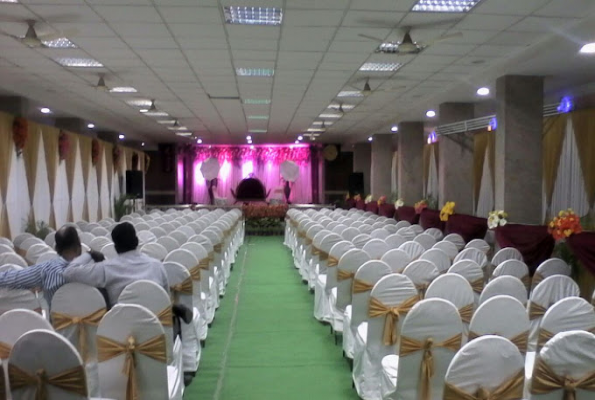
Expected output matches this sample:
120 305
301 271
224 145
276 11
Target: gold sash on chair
211 256
184 287
301 234
466 313
72 380
360 286
537 278
166 316
343 274
526 281
536 311
520 341
392 315
421 288
217 248
153 348
308 241
512 389
544 336
410 346
477 285
322 255
545 381
4 350
61 321
332 261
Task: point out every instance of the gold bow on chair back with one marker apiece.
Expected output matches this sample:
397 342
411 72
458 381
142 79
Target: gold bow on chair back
466 313
537 278
477 285
332 261
166 316
536 311
545 380
343 275
62 321
72 380
511 389
392 315
4 350
521 341
153 348
410 346
184 287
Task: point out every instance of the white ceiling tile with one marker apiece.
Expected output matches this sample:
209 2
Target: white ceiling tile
516 38
198 32
372 19
487 22
251 44
140 29
509 7
542 24
495 51
144 14
317 4
383 5
191 15
253 32
299 60
473 36
253 55
567 8
365 47
449 49
322 18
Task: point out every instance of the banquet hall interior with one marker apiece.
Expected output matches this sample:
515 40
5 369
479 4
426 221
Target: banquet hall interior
348 199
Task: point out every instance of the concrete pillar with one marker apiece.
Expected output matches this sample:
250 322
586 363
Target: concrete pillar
382 157
455 160
362 162
519 174
410 161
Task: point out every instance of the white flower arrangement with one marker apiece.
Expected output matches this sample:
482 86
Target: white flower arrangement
368 199
399 203
497 218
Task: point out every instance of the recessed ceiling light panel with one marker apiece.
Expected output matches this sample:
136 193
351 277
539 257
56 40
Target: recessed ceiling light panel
346 107
78 62
167 121
253 15
350 93
257 102
330 116
380 67
256 72
123 89
588 48
452 6
258 117
326 123
60 43
257 130
184 133
157 114
139 102
177 128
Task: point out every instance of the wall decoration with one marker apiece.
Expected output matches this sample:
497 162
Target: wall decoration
20 134
95 151
63 146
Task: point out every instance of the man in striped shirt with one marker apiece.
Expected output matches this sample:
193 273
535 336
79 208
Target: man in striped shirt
46 276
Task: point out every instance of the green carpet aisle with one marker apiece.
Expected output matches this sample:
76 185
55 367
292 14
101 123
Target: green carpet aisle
264 343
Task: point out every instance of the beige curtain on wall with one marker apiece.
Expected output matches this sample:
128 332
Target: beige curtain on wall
584 131
70 169
85 148
480 146
50 143
6 151
30 157
554 130
109 162
99 172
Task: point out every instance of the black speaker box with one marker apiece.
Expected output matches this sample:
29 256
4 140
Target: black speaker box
134 184
356 183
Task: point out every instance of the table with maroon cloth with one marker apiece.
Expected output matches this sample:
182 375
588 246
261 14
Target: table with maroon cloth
407 213
533 241
469 227
360 205
386 210
349 204
431 219
583 247
372 207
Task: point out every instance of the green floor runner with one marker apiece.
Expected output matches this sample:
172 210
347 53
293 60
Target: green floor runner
264 343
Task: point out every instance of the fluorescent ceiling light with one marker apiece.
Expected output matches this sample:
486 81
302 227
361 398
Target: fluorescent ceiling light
167 121
177 128
326 123
330 116
588 48
45 110
257 102
78 62
346 107
157 114
315 130
184 133
248 137
257 130
350 93
60 43
380 67
255 72
144 110
253 15
258 117
430 113
90 126
454 6
394 128
123 89
139 102
121 137
8 1
483 91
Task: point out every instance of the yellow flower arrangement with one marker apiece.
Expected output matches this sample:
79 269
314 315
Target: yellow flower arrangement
447 211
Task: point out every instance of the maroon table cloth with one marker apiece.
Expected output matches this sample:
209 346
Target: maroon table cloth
431 219
533 241
386 210
583 247
407 213
468 226
360 205
372 207
349 204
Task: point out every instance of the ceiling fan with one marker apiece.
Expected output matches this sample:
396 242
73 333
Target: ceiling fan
407 45
367 89
34 40
101 85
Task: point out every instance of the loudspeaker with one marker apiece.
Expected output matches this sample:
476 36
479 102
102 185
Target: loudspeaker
356 183
134 184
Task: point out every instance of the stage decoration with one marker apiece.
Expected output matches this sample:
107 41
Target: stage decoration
420 206
567 223
210 170
264 219
399 203
95 150
368 199
250 189
20 134
381 200
447 211
63 145
497 218
116 153
297 153
290 172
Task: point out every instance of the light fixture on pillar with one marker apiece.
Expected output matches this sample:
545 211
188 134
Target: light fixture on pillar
483 91
394 128
566 105
370 138
493 125
432 137
588 48
430 113
143 144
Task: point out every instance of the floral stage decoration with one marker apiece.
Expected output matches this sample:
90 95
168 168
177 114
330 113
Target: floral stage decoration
298 154
381 200
447 211
497 218
368 199
565 224
420 206
63 145
399 203
264 219
95 150
20 134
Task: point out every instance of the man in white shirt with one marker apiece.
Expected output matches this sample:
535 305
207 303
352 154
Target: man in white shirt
114 275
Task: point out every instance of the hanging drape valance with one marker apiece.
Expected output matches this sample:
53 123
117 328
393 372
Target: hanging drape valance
584 129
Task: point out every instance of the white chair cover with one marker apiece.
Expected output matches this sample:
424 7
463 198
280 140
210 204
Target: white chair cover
47 351
391 228
168 242
376 248
479 244
507 253
100 231
47 256
179 236
20 238
322 309
349 233
12 258
472 272
331 289
506 284
407 233
99 243
455 239
417 229
109 251
86 238
553 266
485 364
473 254
380 233
396 259
12 299
458 291
435 233
439 258
6 249
6 242
75 300
413 249
568 314
122 322
403 224
349 263
514 268
366 229
421 273
448 247
25 245
426 240
35 251
360 240
145 237
154 250
395 240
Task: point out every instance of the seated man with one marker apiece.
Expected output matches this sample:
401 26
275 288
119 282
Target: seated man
47 276
114 275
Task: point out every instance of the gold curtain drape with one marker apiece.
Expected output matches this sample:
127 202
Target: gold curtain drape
482 142
6 152
85 147
128 159
30 157
426 165
99 172
50 144
554 130
109 162
584 128
70 169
